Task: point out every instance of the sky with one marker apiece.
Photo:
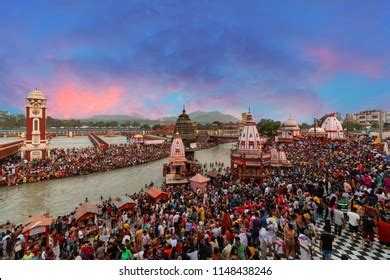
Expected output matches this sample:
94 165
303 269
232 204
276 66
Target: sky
148 58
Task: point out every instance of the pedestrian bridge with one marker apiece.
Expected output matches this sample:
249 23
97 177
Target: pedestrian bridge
10 148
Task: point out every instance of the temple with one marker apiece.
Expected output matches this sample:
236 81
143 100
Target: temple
187 131
317 132
246 158
36 145
278 157
333 128
289 132
175 172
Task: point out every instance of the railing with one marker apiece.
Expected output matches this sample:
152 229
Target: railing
10 148
97 141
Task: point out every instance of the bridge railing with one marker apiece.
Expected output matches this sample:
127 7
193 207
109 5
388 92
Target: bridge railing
97 141
10 148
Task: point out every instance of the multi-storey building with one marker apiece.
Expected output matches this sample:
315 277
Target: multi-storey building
370 117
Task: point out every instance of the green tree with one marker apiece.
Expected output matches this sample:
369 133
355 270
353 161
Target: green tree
305 126
218 124
145 126
112 124
351 125
52 122
100 124
268 127
157 127
375 125
135 124
71 123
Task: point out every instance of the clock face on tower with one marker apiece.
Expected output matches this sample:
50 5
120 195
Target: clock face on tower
35 112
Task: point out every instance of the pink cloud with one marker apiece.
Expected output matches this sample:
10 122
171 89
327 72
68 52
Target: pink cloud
70 101
335 61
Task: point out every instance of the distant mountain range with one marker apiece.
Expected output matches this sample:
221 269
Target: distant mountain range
109 118
198 116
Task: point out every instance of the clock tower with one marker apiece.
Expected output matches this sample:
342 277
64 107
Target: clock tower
36 145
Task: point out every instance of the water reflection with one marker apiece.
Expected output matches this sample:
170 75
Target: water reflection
61 196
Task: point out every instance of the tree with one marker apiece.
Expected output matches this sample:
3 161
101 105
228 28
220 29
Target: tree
218 124
157 127
145 127
305 126
112 124
351 125
8 121
268 127
375 125
135 124
51 122
71 123
100 124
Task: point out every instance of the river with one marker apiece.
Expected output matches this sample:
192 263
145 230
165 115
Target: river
59 197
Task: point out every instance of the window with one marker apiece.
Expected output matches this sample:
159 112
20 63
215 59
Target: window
36 125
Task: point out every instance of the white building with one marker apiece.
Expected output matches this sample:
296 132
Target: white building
333 127
289 132
370 117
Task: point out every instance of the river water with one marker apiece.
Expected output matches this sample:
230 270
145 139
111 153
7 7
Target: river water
61 196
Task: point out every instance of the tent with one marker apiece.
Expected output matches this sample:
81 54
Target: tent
199 182
213 174
86 211
156 194
124 203
35 227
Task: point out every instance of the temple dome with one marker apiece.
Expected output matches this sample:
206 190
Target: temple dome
318 130
332 124
290 123
249 139
186 128
35 94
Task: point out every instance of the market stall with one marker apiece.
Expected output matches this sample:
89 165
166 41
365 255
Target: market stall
36 231
156 194
124 203
199 182
86 213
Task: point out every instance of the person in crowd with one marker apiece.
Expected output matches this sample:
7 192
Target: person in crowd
354 221
326 243
277 218
339 221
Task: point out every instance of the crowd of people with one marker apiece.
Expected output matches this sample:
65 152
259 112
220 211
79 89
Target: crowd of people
75 161
342 186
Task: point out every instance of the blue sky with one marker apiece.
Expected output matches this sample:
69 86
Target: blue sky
299 58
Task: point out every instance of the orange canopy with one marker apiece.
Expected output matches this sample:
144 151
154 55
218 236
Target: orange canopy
124 202
85 210
37 221
156 193
198 178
